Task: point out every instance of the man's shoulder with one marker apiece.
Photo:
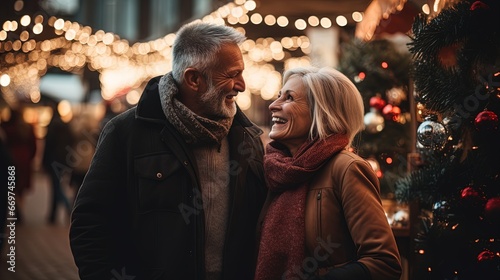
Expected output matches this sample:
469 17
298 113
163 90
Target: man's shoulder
124 117
120 123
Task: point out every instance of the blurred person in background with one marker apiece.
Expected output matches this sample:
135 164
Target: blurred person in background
323 218
21 144
58 141
83 148
5 162
176 184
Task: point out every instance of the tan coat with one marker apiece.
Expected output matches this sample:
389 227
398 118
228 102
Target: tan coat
345 221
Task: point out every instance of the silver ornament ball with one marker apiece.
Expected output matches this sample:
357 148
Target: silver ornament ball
374 121
432 134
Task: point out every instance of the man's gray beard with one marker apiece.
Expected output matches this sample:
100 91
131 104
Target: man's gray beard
214 101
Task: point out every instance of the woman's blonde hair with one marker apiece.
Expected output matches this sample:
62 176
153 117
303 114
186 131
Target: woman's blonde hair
335 103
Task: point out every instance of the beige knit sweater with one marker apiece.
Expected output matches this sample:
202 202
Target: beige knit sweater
213 166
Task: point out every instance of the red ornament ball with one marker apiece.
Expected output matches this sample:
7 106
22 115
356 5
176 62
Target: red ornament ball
479 5
485 255
469 193
486 121
377 102
472 201
492 209
391 112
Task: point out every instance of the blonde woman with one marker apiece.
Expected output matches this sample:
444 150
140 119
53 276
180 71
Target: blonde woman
323 218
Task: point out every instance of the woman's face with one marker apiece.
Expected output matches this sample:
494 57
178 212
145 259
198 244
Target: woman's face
291 115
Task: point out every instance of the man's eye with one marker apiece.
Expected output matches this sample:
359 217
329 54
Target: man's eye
289 97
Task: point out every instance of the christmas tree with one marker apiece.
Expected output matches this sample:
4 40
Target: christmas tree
456 70
381 73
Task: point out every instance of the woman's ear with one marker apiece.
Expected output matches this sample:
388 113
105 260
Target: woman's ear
192 78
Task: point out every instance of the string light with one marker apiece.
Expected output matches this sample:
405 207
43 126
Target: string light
341 21
313 21
300 24
250 5
270 20
115 58
4 80
25 20
282 21
256 18
326 22
426 9
357 16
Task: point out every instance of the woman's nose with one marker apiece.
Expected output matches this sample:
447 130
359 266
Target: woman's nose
275 105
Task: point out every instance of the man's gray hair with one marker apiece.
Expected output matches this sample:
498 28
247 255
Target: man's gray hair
197 44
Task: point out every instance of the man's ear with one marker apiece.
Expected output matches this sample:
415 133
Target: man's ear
193 78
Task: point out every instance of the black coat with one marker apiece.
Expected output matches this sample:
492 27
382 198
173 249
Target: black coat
139 211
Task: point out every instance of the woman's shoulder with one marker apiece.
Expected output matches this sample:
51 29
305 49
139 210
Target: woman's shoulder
345 161
346 156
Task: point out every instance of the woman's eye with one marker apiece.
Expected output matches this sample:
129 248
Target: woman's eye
289 97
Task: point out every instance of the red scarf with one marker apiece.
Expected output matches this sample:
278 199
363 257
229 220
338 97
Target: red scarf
282 244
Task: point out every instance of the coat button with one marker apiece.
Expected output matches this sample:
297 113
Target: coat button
159 175
186 163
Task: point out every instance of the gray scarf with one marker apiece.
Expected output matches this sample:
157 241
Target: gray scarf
194 128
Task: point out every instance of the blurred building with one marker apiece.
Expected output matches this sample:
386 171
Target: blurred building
105 50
